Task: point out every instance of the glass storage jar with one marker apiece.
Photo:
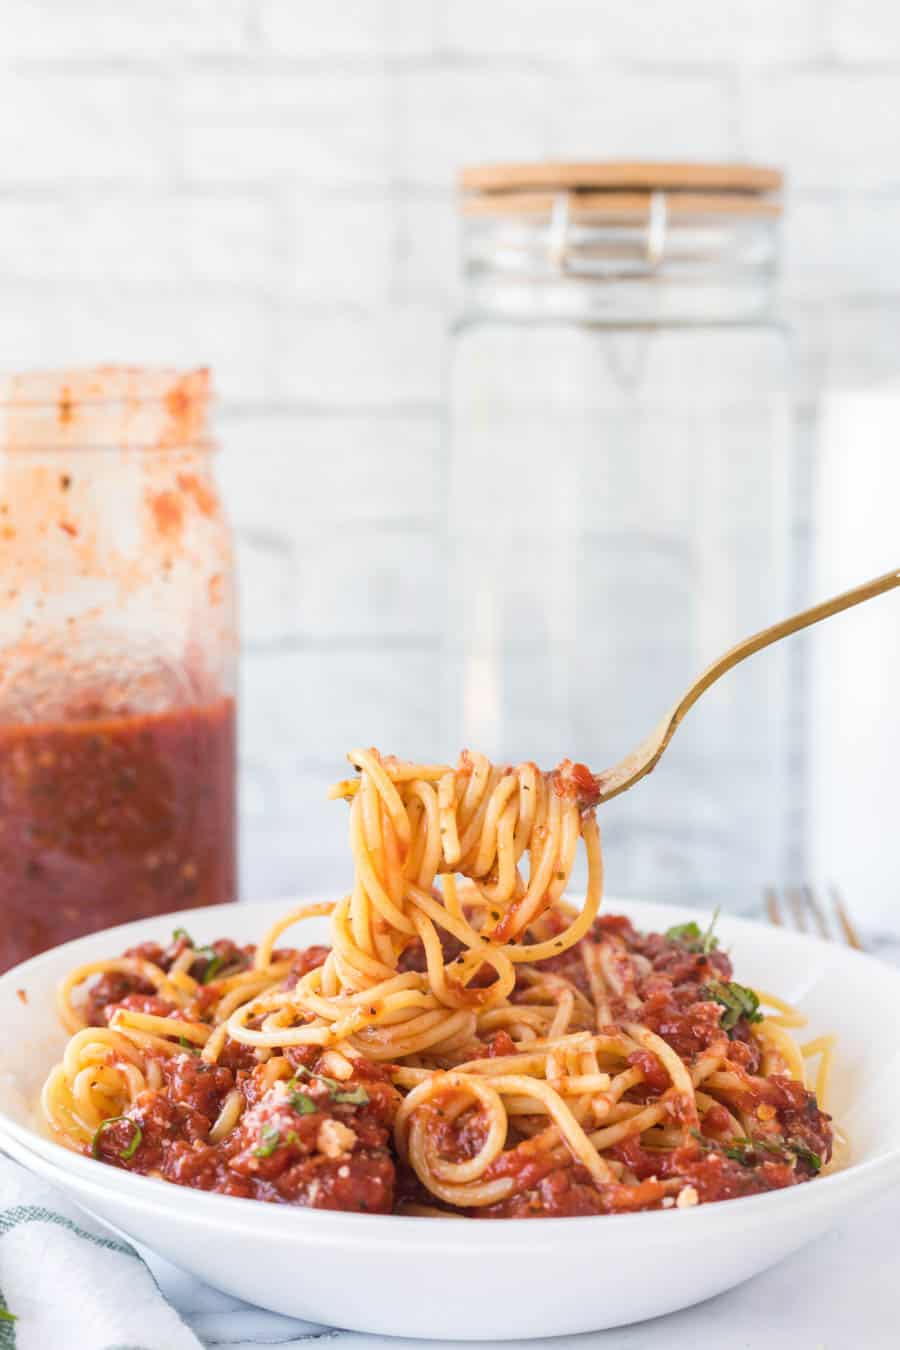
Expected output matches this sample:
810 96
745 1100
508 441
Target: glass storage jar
618 482
117 655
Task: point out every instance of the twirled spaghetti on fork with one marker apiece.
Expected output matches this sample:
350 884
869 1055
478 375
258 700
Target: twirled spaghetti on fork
470 1043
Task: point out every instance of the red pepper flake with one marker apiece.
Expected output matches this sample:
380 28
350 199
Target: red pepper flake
69 528
22 995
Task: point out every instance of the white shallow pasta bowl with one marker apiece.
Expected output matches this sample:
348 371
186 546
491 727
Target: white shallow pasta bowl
460 1278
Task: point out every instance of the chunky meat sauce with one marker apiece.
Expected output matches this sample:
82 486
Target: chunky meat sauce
304 1138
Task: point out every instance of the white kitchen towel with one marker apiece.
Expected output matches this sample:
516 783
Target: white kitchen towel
66 1281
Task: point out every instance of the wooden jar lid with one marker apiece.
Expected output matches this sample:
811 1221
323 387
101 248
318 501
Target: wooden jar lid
621 189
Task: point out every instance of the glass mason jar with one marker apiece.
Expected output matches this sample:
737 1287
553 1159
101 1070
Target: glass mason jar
117 655
618 482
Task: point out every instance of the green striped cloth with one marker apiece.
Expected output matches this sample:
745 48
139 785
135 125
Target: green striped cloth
69 1283
66 1282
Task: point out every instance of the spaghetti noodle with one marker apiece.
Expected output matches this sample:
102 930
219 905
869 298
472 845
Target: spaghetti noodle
470 1043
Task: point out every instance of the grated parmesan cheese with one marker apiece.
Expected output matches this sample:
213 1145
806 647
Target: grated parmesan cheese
334 1138
687 1198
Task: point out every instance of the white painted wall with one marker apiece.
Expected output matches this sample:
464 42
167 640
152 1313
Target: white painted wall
266 186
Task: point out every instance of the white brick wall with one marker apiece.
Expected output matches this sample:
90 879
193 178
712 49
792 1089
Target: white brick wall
92 30
266 185
64 126
608 33
379 357
865 31
837 130
349 28
440 114
264 125
102 238
683 116
323 491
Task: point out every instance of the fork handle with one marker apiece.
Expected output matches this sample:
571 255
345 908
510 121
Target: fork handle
795 624
647 755
806 618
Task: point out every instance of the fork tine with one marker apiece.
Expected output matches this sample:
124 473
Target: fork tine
773 908
798 908
850 934
816 911
798 904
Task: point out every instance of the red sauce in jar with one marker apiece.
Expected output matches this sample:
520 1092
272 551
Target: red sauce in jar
108 819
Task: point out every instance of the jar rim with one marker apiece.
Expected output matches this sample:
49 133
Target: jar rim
70 385
102 407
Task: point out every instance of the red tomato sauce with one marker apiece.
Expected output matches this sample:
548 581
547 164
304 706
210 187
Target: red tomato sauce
104 820
317 1142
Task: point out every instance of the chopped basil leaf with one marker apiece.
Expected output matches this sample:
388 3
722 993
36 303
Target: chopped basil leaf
178 933
742 1151
746 1151
7 1316
132 1147
212 969
270 1135
302 1102
188 1045
805 1154
355 1096
708 942
692 939
332 1084
737 1000
683 932
270 1138
768 1145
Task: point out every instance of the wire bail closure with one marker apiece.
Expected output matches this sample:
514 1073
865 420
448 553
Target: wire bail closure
559 231
558 236
657 226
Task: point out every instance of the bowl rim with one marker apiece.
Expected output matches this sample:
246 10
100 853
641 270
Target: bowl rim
169 1200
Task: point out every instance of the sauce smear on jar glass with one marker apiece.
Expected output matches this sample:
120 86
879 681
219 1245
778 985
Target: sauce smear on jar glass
117 656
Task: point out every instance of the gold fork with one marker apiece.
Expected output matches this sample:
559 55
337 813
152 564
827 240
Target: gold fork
646 756
801 907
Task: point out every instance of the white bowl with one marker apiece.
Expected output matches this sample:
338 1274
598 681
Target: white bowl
461 1278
